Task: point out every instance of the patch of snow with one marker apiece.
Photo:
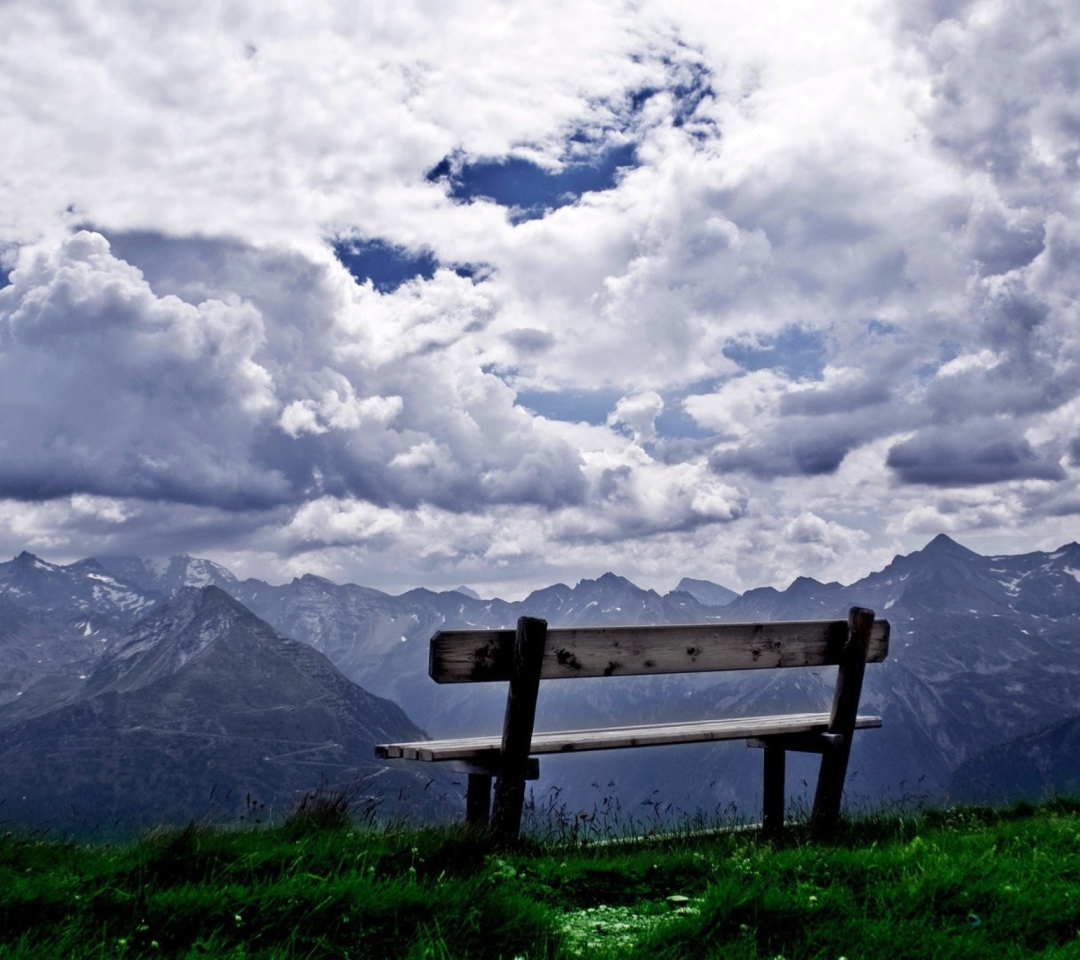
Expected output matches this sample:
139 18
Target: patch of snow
200 573
1055 556
87 629
889 603
110 592
1072 572
404 639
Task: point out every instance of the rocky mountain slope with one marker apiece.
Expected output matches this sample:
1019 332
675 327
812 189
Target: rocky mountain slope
202 709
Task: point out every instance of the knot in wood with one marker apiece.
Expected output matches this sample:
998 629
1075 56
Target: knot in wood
567 659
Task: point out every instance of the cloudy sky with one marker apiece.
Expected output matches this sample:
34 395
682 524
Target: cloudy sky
427 293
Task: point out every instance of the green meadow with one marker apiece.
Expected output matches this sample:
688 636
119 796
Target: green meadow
960 883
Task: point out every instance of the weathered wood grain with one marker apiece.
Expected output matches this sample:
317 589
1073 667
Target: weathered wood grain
470 656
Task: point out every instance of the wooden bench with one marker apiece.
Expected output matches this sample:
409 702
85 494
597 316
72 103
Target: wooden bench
533 652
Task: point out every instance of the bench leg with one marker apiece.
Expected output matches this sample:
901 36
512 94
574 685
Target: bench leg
525 667
478 800
834 761
830 791
772 814
509 801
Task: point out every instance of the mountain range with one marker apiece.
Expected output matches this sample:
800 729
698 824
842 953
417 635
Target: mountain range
983 666
198 709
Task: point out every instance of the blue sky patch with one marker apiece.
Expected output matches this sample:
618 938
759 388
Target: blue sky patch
385 265
575 406
526 188
388 266
594 406
9 254
675 422
799 353
691 85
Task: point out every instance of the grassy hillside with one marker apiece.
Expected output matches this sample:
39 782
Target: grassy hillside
957 884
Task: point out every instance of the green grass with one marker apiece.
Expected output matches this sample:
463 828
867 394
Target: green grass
954 884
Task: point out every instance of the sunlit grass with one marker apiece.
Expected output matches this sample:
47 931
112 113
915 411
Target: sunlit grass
953 884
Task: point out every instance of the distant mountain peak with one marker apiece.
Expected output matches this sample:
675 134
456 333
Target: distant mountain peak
467 591
211 596
176 631
706 592
313 579
610 579
944 545
26 558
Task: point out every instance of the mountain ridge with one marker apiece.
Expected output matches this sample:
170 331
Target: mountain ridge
982 653
200 700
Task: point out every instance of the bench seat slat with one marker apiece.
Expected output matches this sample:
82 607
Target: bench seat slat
469 656
608 738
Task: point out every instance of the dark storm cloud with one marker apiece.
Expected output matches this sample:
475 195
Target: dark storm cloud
785 456
1002 240
988 451
812 427
252 397
837 398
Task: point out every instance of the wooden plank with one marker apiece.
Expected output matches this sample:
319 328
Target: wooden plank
799 742
468 656
486 749
491 768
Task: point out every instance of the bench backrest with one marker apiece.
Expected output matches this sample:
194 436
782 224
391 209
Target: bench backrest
471 656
